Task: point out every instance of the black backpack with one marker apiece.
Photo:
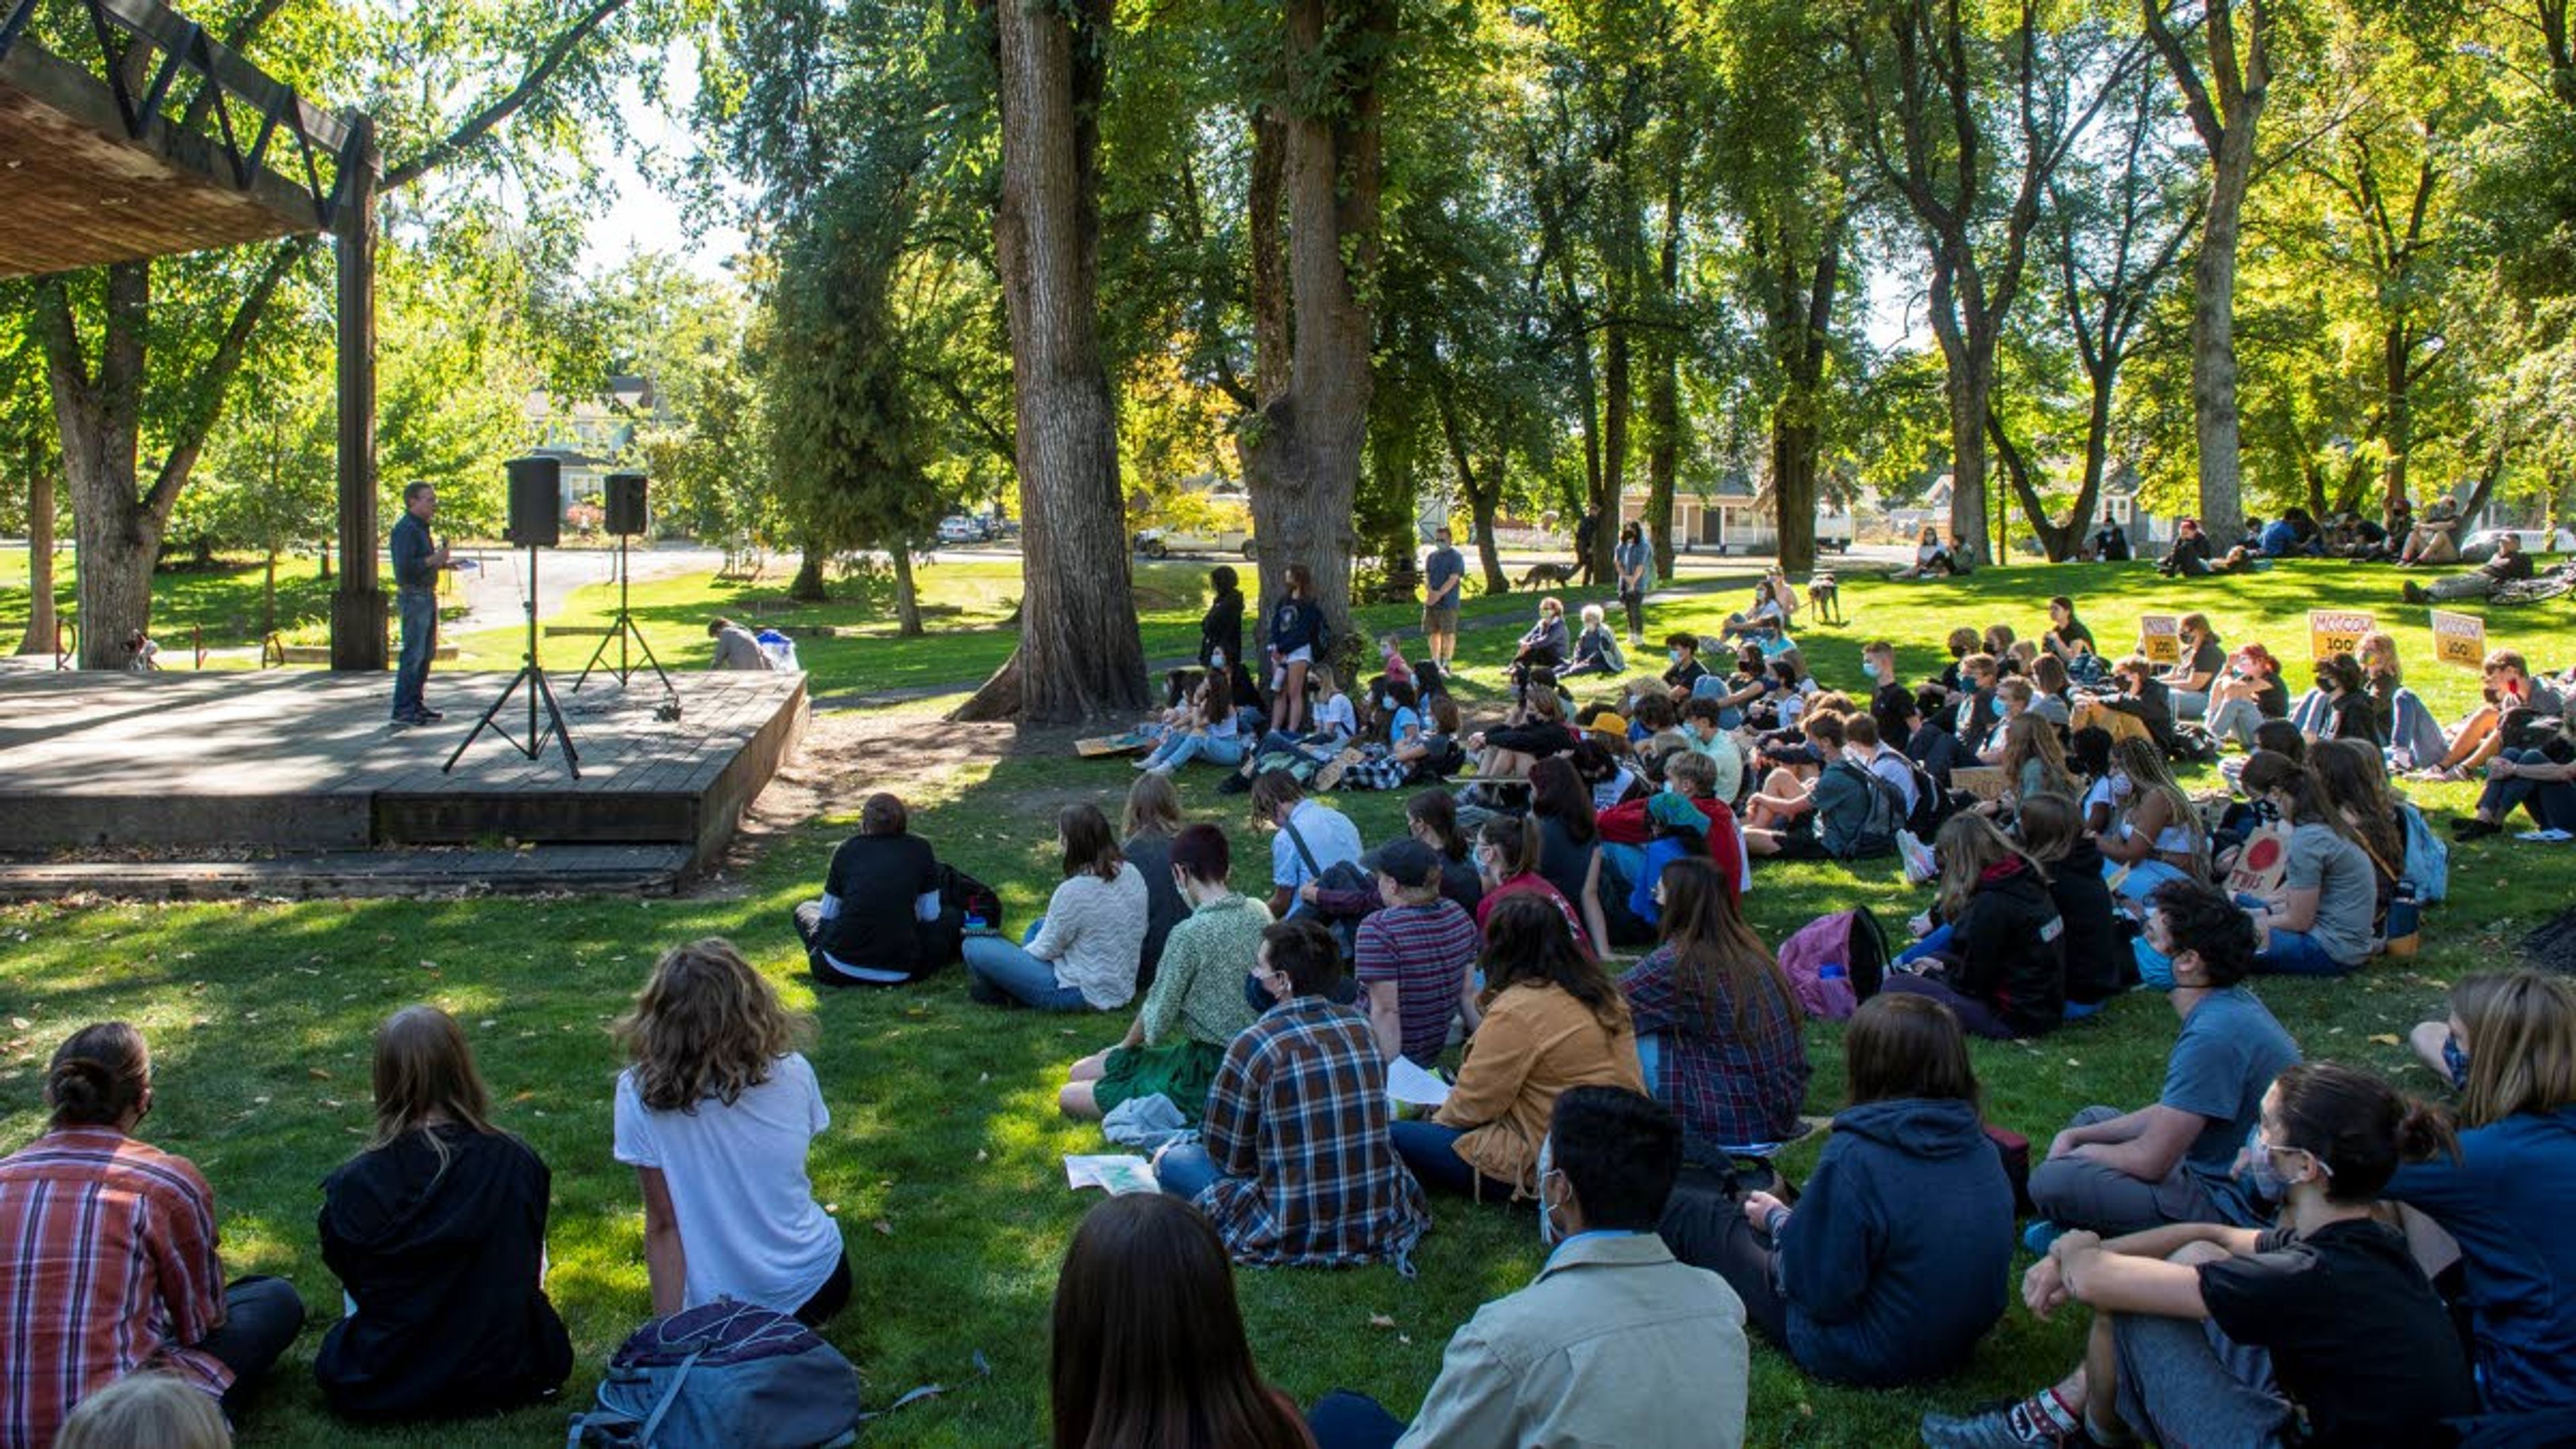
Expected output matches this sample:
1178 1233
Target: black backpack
1877 836
977 902
1932 804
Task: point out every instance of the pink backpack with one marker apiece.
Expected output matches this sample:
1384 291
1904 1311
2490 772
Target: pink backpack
1836 962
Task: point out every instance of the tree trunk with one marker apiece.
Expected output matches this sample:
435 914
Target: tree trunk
810 586
2397 349
907 603
1302 449
2215 424
40 559
268 593
1801 314
1618 402
1481 498
1793 488
325 571
1080 654
1664 387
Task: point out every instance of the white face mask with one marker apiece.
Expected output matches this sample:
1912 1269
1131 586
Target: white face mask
1549 1233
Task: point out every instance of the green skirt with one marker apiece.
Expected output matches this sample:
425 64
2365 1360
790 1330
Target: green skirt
1182 1071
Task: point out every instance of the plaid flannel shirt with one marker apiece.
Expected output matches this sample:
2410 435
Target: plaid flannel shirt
1728 1090
1297 1122
110 1267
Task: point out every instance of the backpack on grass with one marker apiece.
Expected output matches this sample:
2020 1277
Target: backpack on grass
1836 962
978 903
725 1374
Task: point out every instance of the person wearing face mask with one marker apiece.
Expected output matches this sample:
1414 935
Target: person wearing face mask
2317 1331
2173 1160
2319 921
1195 1005
1686 671
1614 1343
1294 1166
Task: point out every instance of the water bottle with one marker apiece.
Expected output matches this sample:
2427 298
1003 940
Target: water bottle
2405 920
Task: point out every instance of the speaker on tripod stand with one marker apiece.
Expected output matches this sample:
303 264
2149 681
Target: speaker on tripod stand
536 521
626 518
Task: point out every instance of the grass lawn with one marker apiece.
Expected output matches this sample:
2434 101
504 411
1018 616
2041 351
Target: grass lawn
224 602
943 1159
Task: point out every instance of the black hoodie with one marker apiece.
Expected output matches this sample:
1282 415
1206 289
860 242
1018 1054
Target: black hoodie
2098 962
2009 944
444 1264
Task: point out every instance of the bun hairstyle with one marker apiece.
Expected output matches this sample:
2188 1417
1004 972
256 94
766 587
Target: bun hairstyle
2357 1125
99 1076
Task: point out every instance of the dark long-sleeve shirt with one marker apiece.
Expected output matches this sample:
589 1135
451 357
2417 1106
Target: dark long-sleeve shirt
411 549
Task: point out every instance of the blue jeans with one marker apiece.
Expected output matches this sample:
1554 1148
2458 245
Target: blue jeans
1650 1063
419 611
1180 749
999 973
2552 802
1345 1420
2296 953
1186 1170
2235 719
1431 1151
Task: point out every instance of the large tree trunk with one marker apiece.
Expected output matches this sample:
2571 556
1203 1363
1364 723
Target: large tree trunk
1664 386
1080 655
1302 448
40 557
1618 403
2215 425
907 600
1801 314
810 586
2397 350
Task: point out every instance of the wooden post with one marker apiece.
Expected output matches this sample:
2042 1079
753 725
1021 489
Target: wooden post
358 605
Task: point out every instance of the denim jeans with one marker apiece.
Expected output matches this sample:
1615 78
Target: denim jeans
2235 719
1186 1170
2552 802
2190 704
1180 749
999 972
1430 1150
261 1317
419 611
2296 953
1346 1420
1938 937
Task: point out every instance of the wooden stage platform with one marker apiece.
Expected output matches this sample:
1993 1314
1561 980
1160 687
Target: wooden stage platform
298 760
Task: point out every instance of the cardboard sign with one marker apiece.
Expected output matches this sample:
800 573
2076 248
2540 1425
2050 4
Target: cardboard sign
1986 782
2337 631
2460 639
2160 638
1134 742
2262 864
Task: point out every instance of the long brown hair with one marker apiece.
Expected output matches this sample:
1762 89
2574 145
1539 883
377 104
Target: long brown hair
705 1025
425 1069
1967 847
2028 738
2355 785
1711 944
1153 807
1901 1045
1515 837
1088 845
1148 1346
1529 943
1557 793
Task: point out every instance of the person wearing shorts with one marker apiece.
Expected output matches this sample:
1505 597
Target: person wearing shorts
1444 577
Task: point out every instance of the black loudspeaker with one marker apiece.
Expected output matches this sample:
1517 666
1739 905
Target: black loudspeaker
536 502
626 505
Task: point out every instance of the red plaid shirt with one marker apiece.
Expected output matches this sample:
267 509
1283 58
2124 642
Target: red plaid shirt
107 1265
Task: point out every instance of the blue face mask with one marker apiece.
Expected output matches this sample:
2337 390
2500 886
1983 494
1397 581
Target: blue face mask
1869 668
2155 968
2455 1060
1673 654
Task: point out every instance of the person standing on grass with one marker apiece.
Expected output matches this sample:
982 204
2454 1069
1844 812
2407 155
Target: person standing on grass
1147 1344
1895 1260
1444 579
1295 1166
438 1233
2320 1330
416 562
108 1263
1615 1342
1196 1005
2173 1161
716 1112
1416 957
1635 562
1082 954
1296 624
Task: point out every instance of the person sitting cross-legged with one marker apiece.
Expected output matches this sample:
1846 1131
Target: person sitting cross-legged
1196 1006
1416 957
1295 1166
109 1266
438 1233
1083 954
1717 1021
2320 1330
1894 1262
2173 1161
1615 1343
880 921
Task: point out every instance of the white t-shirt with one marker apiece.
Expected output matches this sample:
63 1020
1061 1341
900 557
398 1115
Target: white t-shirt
748 1220
1327 832
1336 718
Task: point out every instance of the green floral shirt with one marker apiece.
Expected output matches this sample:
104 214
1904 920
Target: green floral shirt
1198 989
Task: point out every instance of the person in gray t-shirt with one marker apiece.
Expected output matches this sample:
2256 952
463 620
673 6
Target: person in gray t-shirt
2172 1161
736 647
1444 578
2320 921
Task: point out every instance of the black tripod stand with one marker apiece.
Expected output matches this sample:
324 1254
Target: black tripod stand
620 631
533 676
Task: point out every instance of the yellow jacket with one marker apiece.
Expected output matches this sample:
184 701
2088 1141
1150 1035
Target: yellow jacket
1536 1041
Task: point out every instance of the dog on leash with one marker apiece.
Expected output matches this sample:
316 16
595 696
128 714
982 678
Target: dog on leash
1826 598
1547 575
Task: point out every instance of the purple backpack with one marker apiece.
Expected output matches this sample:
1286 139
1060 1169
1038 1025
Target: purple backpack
1836 962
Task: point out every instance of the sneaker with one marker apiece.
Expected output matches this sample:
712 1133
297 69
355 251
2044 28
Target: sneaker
2041 1235
2007 1427
2415 594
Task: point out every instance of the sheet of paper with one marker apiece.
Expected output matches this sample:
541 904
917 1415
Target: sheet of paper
1114 1173
1414 1086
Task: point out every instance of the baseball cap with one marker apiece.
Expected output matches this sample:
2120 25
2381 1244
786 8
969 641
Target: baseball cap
1409 863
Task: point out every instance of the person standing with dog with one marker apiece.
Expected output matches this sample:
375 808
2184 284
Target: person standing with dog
1444 578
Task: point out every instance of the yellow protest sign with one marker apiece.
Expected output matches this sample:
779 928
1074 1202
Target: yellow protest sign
2460 639
2160 637
2337 631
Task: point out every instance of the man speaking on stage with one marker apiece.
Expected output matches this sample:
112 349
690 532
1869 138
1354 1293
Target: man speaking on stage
416 564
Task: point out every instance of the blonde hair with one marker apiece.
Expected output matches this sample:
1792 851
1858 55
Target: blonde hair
2029 738
2380 644
1153 807
1969 846
2145 763
1592 613
2522 1044
705 1025
148 1408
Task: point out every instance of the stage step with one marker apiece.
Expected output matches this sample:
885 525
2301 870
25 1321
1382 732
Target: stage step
639 870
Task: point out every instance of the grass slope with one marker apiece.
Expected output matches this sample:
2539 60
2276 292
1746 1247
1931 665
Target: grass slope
942 1162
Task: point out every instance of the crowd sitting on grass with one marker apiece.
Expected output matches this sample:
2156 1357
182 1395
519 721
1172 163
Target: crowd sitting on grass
2274 1249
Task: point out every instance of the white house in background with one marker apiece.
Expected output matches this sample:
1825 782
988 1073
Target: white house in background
1730 519
591 436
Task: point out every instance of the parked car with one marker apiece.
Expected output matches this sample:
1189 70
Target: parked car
963 528
2481 545
1834 530
1165 542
